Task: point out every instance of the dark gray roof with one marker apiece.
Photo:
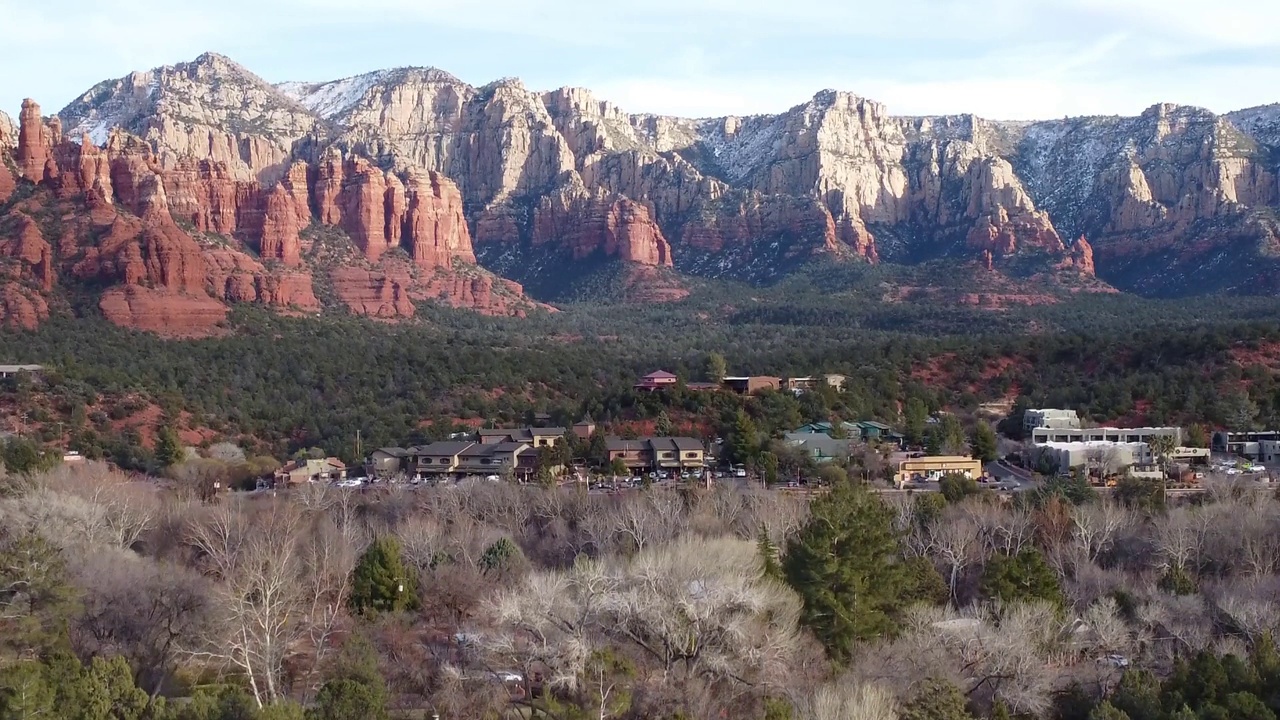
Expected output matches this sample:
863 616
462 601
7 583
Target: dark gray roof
686 443
617 443
448 447
393 451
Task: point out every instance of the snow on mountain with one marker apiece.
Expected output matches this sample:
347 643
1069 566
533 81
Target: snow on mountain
329 99
1262 122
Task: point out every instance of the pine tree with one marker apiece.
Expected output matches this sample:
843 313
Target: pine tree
169 450
768 549
982 443
744 441
662 427
717 368
844 565
936 700
381 582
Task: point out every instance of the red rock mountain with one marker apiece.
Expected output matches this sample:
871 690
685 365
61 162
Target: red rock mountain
174 246
394 184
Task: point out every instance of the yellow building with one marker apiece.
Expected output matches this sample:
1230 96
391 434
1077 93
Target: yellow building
933 468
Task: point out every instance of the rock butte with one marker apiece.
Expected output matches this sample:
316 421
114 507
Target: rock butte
129 229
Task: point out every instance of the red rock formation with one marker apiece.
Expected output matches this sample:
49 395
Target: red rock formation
288 290
34 142
21 307
1004 235
483 293
93 170
434 224
7 182
205 194
394 201
279 238
236 277
327 188
364 209
611 224
747 219
1081 257
29 246
298 188
162 311
379 294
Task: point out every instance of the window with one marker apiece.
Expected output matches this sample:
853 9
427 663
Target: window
484 461
667 455
691 455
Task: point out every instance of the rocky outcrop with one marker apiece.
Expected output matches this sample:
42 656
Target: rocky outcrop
8 132
162 311
28 246
379 294
390 290
35 143
432 221
613 225
208 109
21 307
837 175
7 182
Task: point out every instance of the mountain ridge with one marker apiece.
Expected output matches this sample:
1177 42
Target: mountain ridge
1150 203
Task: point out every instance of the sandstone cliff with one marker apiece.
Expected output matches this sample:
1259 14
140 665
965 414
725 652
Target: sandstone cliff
543 175
173 243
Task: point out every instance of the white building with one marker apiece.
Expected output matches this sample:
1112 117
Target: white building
1101 456
1044 435
1049 418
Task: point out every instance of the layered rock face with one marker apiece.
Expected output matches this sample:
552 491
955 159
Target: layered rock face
171 242
207 109
569 174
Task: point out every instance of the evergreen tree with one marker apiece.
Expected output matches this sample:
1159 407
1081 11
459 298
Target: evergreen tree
662 426
381 582
952 436
936 700
354 688
844 564
597 450
499 555
744 439
1025 576
768 550
769 466
169 450
1107 711
716 368
982 443
24 692
915 417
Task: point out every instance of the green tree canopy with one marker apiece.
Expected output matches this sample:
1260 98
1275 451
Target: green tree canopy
381 581
845 565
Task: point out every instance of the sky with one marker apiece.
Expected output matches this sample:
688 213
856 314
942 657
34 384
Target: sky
1001 59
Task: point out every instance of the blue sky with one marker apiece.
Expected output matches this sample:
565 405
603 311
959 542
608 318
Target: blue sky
1005 59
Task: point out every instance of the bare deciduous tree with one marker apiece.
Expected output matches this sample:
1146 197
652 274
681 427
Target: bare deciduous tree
261 591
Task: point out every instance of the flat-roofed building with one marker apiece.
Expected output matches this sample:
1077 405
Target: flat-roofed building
1105 457
934 467
1042 435
1049 418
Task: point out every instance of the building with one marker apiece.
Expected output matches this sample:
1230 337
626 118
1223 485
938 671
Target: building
750 385
1268 452
1244 444
452 459
296 472
1042 435
1049 418
864 430
821 448
657 453
584 428
537 437
1103 457
933 468
657 380
808 383
386 463
825 428
8 371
